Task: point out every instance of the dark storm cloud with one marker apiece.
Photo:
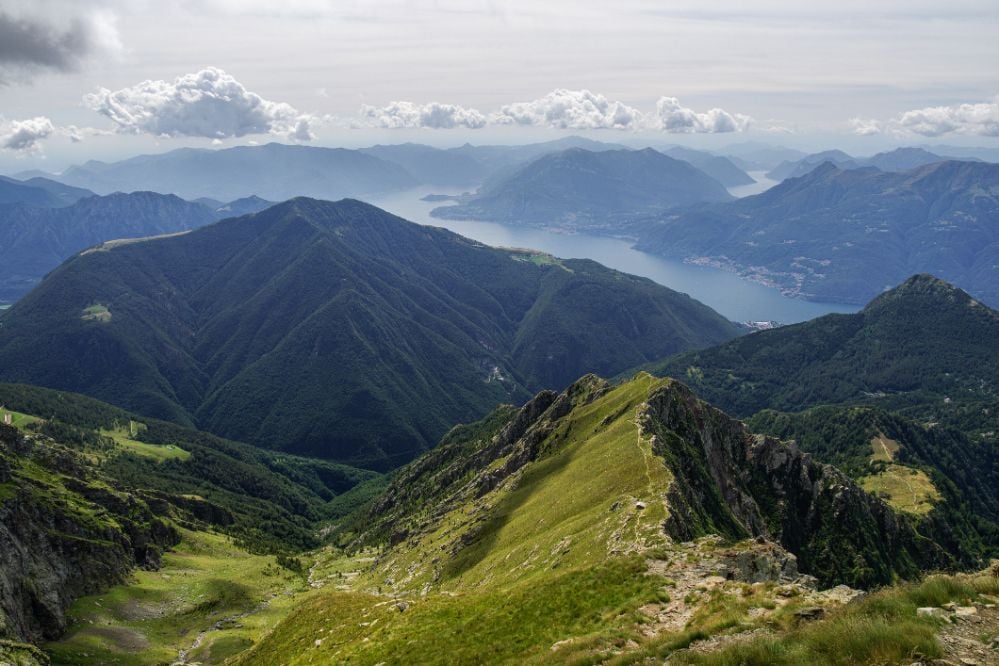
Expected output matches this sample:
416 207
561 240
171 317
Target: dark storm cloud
27 42
33 43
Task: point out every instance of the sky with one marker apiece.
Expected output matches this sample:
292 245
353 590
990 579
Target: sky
105 79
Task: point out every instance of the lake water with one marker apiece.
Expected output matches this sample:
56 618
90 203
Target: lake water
762 184
737 299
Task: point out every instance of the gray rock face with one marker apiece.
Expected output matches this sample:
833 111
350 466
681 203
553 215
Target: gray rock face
61 537
735 483
766 562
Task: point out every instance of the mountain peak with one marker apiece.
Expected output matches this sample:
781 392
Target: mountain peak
920 285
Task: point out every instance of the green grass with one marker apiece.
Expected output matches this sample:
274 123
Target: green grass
206 579
539 259
19 420
96 312
507 625
561 513
884 449
159 452
882 629
906 489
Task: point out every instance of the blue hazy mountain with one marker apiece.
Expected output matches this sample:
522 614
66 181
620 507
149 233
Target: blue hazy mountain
900 159
844 236
39 191
274 172
38 239
718 167
582 189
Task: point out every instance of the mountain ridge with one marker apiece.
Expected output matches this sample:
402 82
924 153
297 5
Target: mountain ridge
228 327
273 171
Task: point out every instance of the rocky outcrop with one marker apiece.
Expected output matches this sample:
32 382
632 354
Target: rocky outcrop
63 536
732 482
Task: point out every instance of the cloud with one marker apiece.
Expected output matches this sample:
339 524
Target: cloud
560 109
24 136
405 115
981 119
865 126
572 110
674 118
974 119
58 39
209 103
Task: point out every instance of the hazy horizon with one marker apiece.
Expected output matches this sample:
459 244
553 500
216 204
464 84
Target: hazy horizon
108 79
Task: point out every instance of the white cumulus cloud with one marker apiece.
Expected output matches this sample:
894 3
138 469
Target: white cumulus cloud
25 136
980 119
408 115
675 118
572 110
209 103
866 126
976 119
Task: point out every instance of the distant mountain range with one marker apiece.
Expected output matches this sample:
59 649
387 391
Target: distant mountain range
758 156
279 172
335 329
582 189
900 159
37 239
273 171
434 166
468 165
38 191
843 236
718 167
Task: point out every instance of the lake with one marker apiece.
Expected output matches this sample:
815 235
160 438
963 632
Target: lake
737 299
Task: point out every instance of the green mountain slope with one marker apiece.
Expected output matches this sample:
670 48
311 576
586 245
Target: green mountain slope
611 469
844 236
265 500
604 524
581 189
925 347
951 483
335 329
88 492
